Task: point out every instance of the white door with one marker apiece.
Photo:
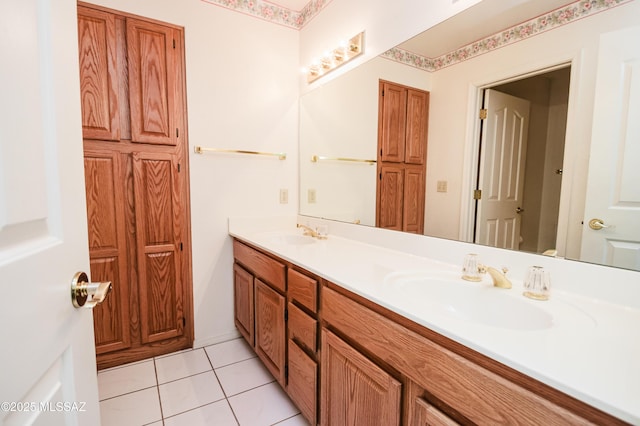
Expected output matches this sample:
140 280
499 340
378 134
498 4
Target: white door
501 177
47 359
613 188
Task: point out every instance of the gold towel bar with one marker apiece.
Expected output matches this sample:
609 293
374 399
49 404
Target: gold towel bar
317 158
201 150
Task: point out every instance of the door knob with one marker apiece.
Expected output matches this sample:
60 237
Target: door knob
86 294
519 210
597 224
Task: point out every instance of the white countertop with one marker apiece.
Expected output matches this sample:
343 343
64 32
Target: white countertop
591 351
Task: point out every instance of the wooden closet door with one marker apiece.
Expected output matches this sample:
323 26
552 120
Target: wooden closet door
417 119
392 122
107 247
98 75
158 234
152 82
390 197
413 201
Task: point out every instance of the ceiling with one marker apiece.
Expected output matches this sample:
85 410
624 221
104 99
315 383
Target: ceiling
463 28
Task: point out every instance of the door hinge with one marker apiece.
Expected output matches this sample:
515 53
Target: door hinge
382 92
174 43
181 247
380 177
178 167
184 322
477 194
483 114
177 134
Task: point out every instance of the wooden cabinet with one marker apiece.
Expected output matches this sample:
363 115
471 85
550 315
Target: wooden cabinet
260 306
402 147
276 312
349 361
302 329
355 391
137 184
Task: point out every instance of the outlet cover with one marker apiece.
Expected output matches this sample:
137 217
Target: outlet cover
442 186
311 196
284 196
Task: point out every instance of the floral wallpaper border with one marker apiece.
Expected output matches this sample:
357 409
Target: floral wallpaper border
274 13
548 21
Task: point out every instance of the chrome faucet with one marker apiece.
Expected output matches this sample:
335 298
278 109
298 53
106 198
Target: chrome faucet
308 231
499 278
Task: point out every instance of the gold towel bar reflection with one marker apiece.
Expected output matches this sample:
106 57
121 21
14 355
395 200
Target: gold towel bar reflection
201 150
317 158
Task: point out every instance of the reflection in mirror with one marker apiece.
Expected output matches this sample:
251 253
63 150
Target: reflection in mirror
567 47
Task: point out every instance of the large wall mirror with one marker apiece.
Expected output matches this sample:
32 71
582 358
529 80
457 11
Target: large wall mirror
576 160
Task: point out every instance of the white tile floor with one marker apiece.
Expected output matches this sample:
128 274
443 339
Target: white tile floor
223 384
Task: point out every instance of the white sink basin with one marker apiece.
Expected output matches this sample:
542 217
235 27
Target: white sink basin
446 294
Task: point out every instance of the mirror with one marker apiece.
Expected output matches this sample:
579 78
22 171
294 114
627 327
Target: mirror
489 44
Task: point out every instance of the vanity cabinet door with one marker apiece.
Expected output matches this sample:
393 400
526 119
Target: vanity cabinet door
302 383
355 391
270 329
243 301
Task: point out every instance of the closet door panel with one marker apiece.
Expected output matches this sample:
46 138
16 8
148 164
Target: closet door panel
107 248
390 197
393 122
413 202
159 247
98 75
417 119
151 82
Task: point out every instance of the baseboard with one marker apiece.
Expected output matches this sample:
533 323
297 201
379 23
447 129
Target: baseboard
200 343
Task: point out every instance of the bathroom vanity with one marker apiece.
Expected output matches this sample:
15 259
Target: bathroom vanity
358 333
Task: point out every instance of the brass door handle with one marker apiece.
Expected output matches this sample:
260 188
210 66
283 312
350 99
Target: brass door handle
597 224
86 294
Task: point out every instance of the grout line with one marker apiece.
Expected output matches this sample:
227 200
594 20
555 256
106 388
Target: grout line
226 398
185 377
127 393
158 391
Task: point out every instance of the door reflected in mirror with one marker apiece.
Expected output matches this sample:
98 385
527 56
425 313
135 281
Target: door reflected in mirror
339 119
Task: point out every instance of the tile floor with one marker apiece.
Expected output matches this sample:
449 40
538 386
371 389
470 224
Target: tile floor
223 384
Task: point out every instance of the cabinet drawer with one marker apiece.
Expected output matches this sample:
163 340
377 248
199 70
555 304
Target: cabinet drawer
304 290
302 328
261 265
426 414
303 382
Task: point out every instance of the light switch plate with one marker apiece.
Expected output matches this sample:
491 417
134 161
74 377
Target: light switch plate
311 196
442 186
284 196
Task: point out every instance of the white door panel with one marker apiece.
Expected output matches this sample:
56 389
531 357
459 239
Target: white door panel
613 188
503 158
48 373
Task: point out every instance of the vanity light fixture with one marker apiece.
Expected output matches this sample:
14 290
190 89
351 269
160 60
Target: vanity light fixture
337 57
